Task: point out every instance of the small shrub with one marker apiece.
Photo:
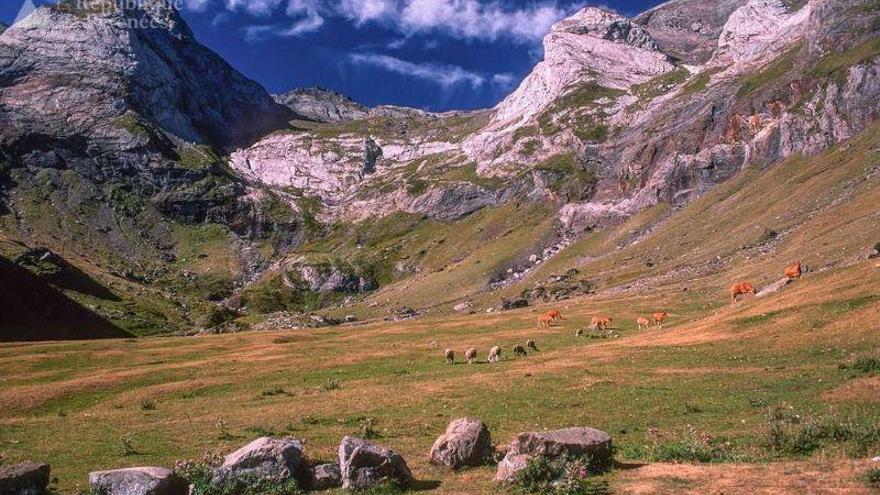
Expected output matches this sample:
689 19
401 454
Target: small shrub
260 431
863 365
127 443
148 405
62 413
332 384
791 434
387 488
692 409
223 430
692 446
561 476
871 477
274 391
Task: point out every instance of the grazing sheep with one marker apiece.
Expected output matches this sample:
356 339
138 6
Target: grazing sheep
659 318
495 354
433 343
470 355
794 271
643 323
743 288
532 345
519 350
579 332
450 356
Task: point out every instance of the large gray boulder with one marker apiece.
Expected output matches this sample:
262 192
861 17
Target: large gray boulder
24 478
465 443
553 444
137 481
364 464
326 476
265 457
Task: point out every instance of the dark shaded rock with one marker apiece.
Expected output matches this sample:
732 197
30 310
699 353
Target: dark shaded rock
553 444
137 481
364 464
372 153
326 476
507 304
449 202
466 443
264 457
24 478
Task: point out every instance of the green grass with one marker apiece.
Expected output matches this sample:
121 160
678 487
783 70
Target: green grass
699 82
771 73
836 64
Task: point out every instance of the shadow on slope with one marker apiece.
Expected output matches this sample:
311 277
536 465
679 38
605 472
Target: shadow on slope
33 310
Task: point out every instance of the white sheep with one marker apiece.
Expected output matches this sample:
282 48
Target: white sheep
495 354
470 355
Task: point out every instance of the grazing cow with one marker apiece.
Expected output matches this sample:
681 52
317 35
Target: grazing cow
495 354
794 271
743 288
519 350
659 318
545 320
642 323
532 345
554 314
450 356
470 355
600 322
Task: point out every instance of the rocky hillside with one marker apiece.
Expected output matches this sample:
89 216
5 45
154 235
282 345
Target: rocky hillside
155 167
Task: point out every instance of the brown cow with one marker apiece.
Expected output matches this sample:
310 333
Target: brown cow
555 314
743 288
794 271
600 322
545 320
659 318
642 322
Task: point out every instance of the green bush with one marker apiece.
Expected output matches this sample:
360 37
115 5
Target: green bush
692 446
199 475
871 477
562 476
791 434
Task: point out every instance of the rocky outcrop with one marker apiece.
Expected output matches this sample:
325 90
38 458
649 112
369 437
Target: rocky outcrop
322 105
568 442
137 481
326 278
688 30
26 478
364 464
453 201
466 443
265 457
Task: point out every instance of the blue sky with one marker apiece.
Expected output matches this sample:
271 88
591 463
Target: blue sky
432 54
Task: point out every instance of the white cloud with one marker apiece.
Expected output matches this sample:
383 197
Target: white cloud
440 74
463 19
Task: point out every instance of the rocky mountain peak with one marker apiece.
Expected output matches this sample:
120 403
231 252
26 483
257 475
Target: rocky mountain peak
322 105
590 21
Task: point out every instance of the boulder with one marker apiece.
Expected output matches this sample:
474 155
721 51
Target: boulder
466 443
508 304
26 477
264 457
364 464
774 287
137 481
552 444
326 476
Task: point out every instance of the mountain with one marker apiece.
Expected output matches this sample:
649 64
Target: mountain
199 201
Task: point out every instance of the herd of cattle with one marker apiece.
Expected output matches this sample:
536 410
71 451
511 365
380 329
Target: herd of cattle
603 322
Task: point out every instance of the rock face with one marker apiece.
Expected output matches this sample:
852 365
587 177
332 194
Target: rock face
553 444
24 478
466 443
264 457
364 464
326 476
322 105
688 30
137 481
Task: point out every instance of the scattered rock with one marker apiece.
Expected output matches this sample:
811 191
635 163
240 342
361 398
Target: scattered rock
364 464
24 478
264 457
351 318
462 306
137 481
326 476
553 444
466 443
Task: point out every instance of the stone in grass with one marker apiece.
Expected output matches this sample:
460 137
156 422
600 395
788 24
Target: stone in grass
265 457
554 444
364 464
325 476
137 481
24 478
466 443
